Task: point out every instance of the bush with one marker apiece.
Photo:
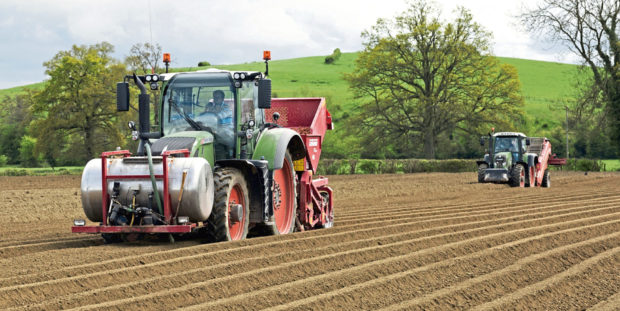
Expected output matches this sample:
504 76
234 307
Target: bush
390 166
15 172
585 165
330 59
3 160
203 64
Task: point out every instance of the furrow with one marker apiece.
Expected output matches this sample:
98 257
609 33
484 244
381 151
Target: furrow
365 294
611 303
513 201
319 266
141 262
368 271
607 261
247 263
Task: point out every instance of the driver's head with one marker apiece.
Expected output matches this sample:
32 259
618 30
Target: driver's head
218 96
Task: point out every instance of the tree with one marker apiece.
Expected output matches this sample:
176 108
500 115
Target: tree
15 118
79 101
418 77
144 58
589 29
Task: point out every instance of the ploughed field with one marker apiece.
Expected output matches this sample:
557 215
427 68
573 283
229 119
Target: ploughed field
419 241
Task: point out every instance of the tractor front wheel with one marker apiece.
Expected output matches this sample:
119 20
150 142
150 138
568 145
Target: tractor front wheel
481 169
517 176
284 198
229 219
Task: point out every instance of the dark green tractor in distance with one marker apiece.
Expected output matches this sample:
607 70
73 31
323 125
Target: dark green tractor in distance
514 158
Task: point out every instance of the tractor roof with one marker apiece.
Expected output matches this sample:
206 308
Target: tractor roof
509 134
168 76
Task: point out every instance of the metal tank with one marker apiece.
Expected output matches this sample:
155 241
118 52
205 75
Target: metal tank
197 199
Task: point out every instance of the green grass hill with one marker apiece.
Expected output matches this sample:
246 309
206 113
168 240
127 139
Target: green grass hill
546 86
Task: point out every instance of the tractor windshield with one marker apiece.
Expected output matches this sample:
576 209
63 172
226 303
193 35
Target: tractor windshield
503 144
201 102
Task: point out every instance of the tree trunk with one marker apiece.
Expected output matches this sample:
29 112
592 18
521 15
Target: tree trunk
429 143
88 142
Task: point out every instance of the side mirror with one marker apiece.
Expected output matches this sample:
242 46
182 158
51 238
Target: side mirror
122 96
527 141
264 93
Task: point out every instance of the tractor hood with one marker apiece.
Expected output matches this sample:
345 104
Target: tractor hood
502 160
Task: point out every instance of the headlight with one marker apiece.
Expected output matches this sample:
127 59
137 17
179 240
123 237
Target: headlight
155 78
236 76
181 220
148 78
79 222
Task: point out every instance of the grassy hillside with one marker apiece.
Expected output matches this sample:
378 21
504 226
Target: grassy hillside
545 85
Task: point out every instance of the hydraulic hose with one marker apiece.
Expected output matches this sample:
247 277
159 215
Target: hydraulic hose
153 181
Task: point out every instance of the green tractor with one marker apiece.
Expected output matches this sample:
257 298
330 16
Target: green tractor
227 159
513 158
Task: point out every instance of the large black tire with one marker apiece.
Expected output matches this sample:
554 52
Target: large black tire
230 190
284 199
517 176
530 180
481 168
546 182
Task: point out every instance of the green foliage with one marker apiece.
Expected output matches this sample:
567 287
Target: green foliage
77 107
585 165
3 160
203 64
419 77
41 171
28 156
330 59
392 166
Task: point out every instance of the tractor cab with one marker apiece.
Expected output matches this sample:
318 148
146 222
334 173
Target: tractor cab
221 103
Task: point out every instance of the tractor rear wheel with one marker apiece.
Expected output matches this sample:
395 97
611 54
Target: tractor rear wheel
531 180
546 182
284 200
229 219
481 168
517 176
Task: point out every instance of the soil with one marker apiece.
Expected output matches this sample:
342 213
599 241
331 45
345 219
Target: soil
400 242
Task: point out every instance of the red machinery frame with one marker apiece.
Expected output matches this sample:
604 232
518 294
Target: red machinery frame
105 202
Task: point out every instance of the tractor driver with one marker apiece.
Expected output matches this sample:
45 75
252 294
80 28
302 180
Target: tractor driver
224 133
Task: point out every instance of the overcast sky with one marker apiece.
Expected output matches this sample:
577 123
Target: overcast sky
222 32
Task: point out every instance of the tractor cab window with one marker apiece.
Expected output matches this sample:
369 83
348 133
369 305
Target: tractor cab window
249 103
202 102
503 144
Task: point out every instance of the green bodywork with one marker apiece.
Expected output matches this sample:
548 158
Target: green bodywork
203 146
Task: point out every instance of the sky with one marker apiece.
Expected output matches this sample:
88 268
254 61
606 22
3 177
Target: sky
225 32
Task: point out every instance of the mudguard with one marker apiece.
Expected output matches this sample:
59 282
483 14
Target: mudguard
273 143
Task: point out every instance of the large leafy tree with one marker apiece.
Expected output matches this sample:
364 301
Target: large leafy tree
77 104
419 77
590 30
